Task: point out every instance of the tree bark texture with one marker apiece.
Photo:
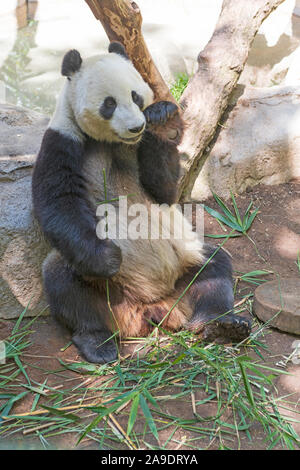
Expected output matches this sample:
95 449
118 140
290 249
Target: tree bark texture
219 67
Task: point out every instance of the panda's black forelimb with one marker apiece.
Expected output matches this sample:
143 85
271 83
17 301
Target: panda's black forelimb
158 158
159 168
63 211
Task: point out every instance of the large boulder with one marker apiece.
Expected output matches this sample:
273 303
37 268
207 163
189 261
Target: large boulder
259 142
22 247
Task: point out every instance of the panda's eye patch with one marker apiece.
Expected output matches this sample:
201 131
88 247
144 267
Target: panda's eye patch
108 106
137 99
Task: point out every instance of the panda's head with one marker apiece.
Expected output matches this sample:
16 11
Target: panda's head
107 95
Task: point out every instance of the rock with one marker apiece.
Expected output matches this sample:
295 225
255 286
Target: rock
279 299
259 142
22 247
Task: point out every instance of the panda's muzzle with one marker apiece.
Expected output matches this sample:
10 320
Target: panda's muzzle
138 131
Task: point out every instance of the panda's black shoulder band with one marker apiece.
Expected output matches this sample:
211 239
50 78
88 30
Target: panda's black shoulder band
118 48
71 63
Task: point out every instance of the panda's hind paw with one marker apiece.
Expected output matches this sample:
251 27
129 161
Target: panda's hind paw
96 346
160 112
228 329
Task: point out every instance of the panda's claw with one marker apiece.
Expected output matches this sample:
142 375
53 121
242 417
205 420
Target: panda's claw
160 112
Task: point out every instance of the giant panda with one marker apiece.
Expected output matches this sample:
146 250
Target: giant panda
105 141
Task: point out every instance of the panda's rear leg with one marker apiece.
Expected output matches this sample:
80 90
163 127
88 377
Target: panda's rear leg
212 300
79 306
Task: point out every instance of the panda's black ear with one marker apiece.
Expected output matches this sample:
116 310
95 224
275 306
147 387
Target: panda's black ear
118 48
71 63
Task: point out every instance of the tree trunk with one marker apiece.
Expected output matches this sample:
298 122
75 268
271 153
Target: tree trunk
219 67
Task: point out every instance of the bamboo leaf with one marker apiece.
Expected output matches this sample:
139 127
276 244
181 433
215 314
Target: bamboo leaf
248 210
60 413
133 413
222 236
16 327
150 398
9 404
237 213
225 209
222 218
247 384
149 419
251 218
20 365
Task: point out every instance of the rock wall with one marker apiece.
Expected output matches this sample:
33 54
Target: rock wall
259 142
22 248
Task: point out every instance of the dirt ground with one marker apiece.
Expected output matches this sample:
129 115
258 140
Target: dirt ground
276 234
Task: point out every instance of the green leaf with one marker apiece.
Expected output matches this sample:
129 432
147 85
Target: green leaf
60 413
223 236
256 273
251 218
179 358
16 327
248 210
91 426
268 379
8 405
150 398
133 413
149 419
223 219
20 365
246 383
237 213
82 366
102 412
120 374
225 209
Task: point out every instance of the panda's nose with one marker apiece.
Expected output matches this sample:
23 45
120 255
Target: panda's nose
136 130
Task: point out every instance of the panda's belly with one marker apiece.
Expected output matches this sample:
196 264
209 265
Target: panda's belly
151 266
152 257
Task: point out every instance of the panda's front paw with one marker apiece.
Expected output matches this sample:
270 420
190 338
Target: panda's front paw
160 112
104 260
110 257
